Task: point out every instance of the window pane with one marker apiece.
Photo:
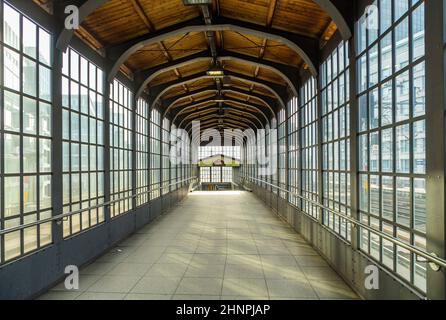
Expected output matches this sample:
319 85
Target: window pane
11 69
387 198
29 193
419 147
29 77
11 111
44 47
11 196
45 155
419 199
402 97
45 119
29 38
29 116
11 27
403 149
402 44
29 155
403 195
12 153
419 90
45 83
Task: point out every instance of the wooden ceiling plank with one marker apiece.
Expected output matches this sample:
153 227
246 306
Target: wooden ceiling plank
328 33
141 13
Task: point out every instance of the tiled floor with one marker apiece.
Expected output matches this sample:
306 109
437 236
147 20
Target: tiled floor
223 245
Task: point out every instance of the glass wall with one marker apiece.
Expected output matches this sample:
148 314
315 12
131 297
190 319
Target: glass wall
293 151
282 136
166 155
120 148
205 174
391 139
142 152
173 164
335 93
26 112
309 146
227 151
83 142
155 154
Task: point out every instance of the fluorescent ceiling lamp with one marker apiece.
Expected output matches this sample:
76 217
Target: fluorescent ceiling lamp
216 72
196 2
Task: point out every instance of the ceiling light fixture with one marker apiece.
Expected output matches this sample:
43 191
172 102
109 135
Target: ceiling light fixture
196 2
216 72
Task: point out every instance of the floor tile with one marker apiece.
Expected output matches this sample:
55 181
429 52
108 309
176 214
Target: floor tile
157 285
290 289
114 284
200 286
244 287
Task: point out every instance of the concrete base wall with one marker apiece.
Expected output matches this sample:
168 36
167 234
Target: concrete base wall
29 276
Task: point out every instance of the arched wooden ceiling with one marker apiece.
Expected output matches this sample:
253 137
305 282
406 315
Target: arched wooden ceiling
168 47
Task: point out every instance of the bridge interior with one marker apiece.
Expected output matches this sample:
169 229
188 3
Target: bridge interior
222 149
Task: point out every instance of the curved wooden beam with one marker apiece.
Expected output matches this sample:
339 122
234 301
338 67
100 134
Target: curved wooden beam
333 9
211 100
87 8
158 91
199 114
307 48
172 102
212 122
329 6
289 74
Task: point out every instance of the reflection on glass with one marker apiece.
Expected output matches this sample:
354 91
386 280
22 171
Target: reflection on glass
403 149
419 146
11 69
387 150
12 153
363 152
11 112
29 193
419 199
29 154
387 197
29 79
419 90
403 196
402 97
11 196
29 116
402 44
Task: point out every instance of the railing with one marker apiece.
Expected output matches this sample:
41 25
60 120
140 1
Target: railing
438 262
105 204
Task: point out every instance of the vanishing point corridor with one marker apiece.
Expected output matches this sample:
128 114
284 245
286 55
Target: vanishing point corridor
213 245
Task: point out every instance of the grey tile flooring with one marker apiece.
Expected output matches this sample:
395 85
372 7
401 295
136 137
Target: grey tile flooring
213 245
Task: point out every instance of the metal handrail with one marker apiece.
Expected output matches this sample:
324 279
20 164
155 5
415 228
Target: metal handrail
429 257
72 213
